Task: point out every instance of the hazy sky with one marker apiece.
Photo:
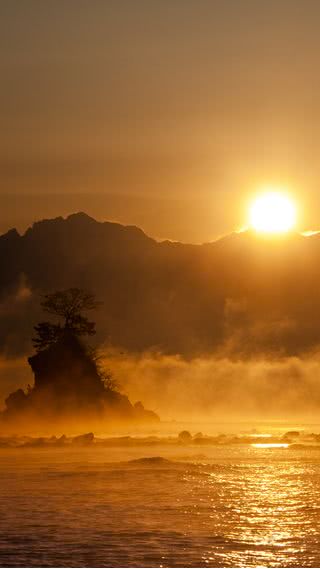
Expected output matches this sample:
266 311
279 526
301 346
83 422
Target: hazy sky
162 113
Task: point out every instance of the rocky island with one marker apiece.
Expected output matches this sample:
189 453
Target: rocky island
70 388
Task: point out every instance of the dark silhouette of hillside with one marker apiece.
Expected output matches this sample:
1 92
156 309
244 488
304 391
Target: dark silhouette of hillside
243 294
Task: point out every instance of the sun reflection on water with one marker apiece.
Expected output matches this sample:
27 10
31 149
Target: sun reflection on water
264 511
270 445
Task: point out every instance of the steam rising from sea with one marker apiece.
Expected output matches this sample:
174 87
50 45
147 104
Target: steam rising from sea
205 387
209 386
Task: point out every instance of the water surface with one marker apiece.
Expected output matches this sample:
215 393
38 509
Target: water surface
225 506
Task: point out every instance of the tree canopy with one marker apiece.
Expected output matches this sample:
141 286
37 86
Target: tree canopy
68 306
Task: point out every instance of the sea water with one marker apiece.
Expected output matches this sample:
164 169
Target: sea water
222 506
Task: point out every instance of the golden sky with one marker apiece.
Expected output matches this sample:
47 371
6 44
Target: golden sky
167 114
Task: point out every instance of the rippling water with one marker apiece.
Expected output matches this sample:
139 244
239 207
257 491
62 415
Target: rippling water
238 506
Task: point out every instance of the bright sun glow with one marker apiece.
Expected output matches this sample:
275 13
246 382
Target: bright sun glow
273 212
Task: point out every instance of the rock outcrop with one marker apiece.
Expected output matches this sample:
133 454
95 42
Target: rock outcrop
67 386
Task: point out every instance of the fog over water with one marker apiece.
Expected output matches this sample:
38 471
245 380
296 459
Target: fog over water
209 386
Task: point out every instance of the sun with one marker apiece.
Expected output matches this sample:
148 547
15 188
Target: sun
273 212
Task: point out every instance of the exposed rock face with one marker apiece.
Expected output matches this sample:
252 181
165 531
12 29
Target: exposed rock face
67 371
67 385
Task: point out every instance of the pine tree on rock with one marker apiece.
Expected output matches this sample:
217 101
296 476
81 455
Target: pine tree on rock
67 305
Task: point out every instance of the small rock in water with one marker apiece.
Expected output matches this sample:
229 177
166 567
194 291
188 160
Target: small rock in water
150 461
85 439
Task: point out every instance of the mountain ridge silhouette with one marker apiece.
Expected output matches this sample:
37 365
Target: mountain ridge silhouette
260 292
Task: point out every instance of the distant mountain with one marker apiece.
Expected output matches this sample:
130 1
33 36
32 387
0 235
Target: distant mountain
240 295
